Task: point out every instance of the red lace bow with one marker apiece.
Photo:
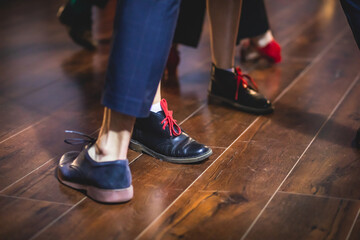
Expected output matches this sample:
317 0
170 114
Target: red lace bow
169 120
240 79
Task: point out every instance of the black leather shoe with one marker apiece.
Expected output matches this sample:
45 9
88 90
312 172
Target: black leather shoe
234 89
159 136
78 25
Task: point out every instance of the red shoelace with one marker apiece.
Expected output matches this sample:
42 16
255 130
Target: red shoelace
169 120
240 80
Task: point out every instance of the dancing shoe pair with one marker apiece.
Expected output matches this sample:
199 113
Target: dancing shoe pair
158 135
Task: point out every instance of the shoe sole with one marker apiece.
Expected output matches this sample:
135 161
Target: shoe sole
98 194
216 99
138 147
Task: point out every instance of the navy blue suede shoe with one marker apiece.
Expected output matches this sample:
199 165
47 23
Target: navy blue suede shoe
108 182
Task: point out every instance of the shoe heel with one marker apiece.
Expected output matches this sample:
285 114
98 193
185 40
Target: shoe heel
111 196
135 146
214 100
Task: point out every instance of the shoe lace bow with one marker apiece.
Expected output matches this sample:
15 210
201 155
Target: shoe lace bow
169 120
241 79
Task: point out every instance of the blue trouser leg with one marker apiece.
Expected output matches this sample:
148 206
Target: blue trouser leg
352 12
142 37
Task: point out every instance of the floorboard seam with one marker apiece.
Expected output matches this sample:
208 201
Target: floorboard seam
193 113
56 219
34 124
296 163
352 225
36 200
21 131
319 196
173 202
299 31
91 134
277 99
316 59
12 184
136 158
73 206
37 168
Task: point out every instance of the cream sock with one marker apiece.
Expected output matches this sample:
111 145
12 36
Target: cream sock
265 39
230 70
155 108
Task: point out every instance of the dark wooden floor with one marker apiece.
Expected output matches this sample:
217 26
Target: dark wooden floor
290 175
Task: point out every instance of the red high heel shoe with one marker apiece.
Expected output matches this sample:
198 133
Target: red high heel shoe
271 51
173 61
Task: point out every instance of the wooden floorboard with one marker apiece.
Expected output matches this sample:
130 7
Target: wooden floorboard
331 166
292 216
355 231
22 218
288 175
209 120
252 170
297 15
326 23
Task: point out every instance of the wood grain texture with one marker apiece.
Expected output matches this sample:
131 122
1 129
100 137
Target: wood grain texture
47 78
206 215
332 164
22 218
300 217
174 177
85 111
259 161
161 175
299 15
43 185
326 21
156 185
299 114
355 233
43 142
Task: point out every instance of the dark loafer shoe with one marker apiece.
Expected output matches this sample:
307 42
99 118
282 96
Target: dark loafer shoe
108 182
78 25
159 136
234 89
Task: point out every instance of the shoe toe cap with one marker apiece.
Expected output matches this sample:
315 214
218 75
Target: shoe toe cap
195 149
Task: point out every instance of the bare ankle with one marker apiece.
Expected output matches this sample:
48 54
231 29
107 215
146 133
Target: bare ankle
114 137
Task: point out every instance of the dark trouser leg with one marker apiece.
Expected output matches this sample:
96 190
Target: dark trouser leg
99 3
352 12
190 22
253 20
143 32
